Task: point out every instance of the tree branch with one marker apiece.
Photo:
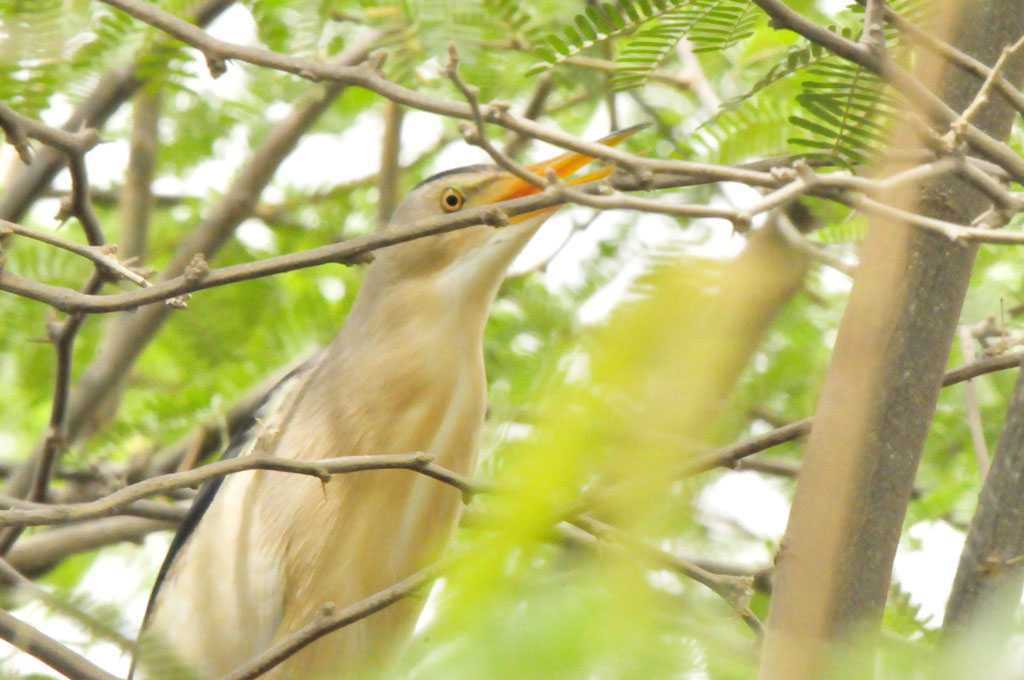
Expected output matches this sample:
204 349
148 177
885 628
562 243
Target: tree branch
478 136
136 199
915 93
735 590
39 553
789 181
102 256
391 144
331 620
63 337
955 56
879 396
113 89
44 514
990 577
119 352
49 651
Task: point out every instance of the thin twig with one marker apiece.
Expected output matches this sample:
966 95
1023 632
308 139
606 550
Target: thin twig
44 514
873 35
959 126
951 230
331 620
80 205
11 575
74 145
915 93
971 404
63 335
956 57
71 143
102 256
55 655
616 201
990 364
729 455
478 136
367 76
355 250
735 590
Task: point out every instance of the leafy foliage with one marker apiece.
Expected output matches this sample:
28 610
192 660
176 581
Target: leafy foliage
30 68
845 109
841 113
516 18
597 23
554 608
712 25
758 128
797 58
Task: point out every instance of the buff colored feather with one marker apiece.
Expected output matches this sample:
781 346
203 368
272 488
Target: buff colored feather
405 374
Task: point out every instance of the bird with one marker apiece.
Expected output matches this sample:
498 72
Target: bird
260 553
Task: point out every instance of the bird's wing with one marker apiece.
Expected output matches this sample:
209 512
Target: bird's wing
242 443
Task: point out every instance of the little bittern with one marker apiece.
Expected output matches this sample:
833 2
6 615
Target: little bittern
260 553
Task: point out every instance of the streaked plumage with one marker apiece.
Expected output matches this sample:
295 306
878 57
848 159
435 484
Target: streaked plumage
262 552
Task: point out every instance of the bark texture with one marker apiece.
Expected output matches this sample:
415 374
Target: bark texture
879 396
987 589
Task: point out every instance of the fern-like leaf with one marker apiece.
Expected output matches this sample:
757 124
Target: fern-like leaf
844 109
713 25
598 23
31 64
757 128
724 25
516 18
797 58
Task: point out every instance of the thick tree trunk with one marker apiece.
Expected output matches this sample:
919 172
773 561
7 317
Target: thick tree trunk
879 395
987 590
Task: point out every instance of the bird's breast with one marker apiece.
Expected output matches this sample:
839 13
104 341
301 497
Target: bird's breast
364 531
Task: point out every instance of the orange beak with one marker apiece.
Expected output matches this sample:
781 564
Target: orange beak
564 166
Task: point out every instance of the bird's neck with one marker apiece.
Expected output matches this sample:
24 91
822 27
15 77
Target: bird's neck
436 305
409 359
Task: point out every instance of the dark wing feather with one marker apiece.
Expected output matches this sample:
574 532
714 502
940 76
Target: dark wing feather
240 440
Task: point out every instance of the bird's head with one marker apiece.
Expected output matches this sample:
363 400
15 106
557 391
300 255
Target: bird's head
477 255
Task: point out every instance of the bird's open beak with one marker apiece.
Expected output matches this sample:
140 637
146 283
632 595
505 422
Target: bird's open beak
564 165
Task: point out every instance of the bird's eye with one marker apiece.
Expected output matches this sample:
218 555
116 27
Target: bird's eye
452 199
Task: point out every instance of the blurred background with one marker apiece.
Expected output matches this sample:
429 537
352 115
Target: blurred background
581 398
